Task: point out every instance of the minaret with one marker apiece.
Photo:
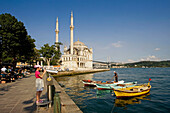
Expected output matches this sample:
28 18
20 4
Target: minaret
71 34
56 31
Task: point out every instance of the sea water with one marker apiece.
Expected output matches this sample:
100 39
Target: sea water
91 100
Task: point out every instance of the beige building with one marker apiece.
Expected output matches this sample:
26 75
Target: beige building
78 56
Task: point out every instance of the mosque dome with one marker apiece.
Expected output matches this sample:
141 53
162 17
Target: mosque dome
78 43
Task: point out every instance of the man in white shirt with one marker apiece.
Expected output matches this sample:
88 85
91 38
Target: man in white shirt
3 69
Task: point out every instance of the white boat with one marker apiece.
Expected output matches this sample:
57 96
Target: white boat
115 86
93 83
52 71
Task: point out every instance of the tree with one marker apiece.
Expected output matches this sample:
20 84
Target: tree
56 58
28 48
16 44
57 45
49 53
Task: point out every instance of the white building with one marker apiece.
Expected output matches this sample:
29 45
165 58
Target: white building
78 56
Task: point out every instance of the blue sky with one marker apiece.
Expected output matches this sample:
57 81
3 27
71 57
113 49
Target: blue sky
123 30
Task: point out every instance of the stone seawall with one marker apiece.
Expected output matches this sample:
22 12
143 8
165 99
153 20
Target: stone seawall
67 104
69 73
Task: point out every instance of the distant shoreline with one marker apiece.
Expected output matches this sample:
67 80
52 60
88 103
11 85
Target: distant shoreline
144 64
137 67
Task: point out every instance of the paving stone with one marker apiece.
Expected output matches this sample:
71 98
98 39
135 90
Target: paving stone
19 96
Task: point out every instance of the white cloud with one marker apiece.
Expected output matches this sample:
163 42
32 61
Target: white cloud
150 58
142 59
131 61
157 49
117 44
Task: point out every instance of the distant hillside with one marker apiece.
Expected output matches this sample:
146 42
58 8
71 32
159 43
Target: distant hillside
149 64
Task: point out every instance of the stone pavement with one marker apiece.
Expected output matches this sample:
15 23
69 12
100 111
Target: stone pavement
20 96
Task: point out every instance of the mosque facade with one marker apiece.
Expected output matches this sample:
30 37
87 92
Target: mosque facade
78 56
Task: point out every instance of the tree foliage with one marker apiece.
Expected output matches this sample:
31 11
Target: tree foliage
16 44
49 54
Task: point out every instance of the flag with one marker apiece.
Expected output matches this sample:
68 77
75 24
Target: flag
150 79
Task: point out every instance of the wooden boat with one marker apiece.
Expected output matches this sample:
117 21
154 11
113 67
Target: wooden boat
115 86
133 91
93 83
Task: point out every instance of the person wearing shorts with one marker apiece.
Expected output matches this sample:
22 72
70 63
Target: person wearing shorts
39 83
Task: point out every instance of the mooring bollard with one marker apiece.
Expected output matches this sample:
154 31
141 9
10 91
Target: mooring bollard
49 95
49 89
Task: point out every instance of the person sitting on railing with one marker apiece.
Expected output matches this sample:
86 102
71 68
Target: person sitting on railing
18 73
12 76
8 70
22 73
26 72
3 77
9 76
15 74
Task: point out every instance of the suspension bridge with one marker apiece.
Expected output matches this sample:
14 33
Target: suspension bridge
98 63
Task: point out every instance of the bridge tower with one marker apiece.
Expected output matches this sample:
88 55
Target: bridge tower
108 62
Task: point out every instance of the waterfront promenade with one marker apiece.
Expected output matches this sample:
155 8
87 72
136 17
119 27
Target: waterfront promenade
19 96
70 73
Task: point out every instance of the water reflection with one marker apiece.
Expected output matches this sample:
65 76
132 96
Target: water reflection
103 93
75 88
134 100
74 82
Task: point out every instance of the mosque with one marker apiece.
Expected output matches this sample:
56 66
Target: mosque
78 56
